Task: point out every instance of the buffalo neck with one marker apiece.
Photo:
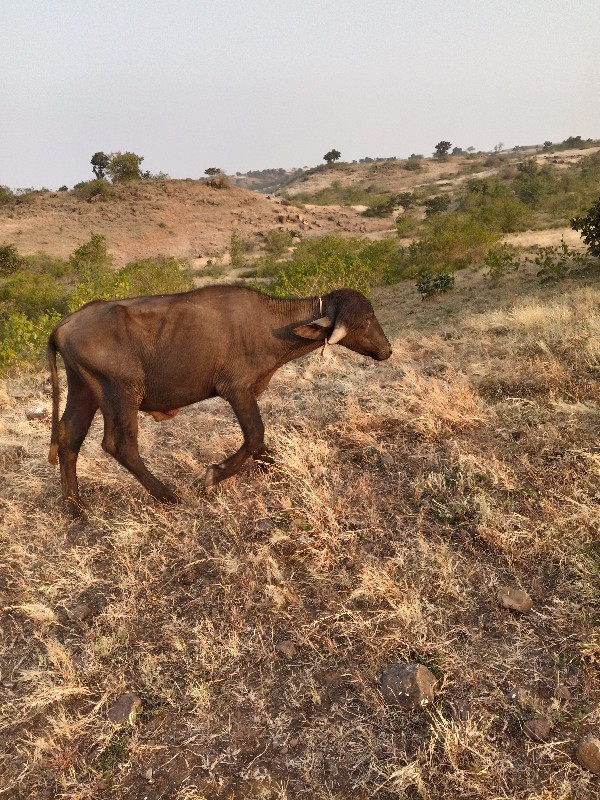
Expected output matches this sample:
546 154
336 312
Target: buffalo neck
288 314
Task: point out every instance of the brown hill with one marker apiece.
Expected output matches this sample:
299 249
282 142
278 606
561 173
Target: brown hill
181 218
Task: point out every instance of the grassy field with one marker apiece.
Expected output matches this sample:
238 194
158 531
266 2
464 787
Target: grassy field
254 623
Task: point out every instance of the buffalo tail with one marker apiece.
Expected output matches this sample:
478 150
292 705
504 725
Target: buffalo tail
51 351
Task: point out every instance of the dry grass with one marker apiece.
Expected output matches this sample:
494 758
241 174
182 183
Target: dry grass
406 494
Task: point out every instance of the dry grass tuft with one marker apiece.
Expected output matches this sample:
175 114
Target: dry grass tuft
254 623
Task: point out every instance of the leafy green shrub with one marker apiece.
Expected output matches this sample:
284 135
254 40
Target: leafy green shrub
589 225
7 196
429 283
238 247
23 339
97 186
34 297
500 260
94 251
406 224
381 207
555 263
436 205
455 240
304 279
407 200
147 276
277 241
10 260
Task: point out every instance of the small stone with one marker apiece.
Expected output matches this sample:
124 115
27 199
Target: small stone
126 708
387 460
538 728
588 753
521 696
79 612
562 693
36 413
148 774
286 648
515 600
408 685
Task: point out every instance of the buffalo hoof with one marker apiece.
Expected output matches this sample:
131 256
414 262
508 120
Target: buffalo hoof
214 474
74 508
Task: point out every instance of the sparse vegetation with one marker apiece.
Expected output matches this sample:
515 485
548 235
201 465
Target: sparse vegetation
431 283
589 225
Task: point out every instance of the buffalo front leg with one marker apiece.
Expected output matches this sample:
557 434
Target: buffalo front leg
121 441
248 415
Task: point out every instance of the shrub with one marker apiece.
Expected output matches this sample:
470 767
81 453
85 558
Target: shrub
34 296
589 225
500 260
92 252
10 260
300 279
436 205
413 164
23 339
381 207
429 283
277 241
238 247
406 224
455 240
555 263
7 196
97 186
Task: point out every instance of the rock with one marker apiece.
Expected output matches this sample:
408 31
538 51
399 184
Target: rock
36 413
126 708
264 525
387 460
521 696
538 728
515 600
79 612
286 648
408 685
588 753
148 774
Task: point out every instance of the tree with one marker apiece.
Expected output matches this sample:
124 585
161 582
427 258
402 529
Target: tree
100 163
331 156
212 171
441 150
406 200
590 228
124 167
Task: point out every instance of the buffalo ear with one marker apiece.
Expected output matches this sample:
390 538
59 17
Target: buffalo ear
314 330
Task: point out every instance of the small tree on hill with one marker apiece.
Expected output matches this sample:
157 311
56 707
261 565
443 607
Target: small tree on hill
210 171
100 163
331 156
441 150
124 167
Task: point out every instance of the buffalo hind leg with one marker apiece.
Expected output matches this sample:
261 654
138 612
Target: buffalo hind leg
73 427
121 441
248 415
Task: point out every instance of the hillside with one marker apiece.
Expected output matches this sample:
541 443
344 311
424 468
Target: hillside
180 218
254 623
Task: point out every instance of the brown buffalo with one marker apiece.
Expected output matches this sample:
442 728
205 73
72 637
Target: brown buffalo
159 353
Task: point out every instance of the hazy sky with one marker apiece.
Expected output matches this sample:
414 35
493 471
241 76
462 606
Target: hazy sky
249 84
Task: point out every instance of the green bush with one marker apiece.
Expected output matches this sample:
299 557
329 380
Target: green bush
238 247
97 186
382 207
406 224
555 263
277 241
306 279
429 284
436 205
500 260
589 225
94 251
124 167
34 296
456 240
10 260
23 339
